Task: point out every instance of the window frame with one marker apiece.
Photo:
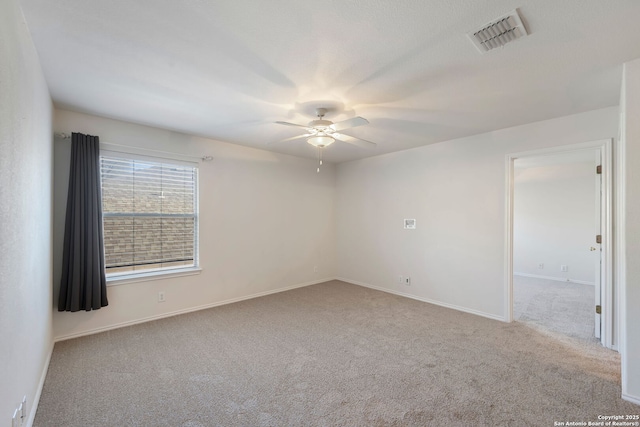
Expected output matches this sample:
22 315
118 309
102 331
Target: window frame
119 278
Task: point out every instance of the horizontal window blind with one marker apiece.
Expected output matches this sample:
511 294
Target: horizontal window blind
149 214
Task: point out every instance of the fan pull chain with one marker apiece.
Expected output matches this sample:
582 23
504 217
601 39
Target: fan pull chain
319 159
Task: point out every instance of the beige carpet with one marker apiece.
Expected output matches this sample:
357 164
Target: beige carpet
562 308
332 354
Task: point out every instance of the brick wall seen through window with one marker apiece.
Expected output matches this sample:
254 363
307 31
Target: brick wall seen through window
149 215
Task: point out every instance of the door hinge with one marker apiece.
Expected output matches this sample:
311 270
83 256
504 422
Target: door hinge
598 309
598 238
599 169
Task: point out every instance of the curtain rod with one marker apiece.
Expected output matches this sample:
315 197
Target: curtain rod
63 135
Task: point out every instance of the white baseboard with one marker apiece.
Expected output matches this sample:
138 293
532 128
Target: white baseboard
555 279
427 300
36 399
187 310
632 399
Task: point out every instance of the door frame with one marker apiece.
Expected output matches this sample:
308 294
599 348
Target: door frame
606 271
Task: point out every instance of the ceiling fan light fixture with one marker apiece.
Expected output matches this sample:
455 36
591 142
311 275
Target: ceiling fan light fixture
320 140
321 133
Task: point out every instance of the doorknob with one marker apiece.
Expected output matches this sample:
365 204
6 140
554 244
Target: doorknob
592 248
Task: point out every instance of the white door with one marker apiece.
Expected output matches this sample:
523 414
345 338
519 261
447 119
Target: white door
596 247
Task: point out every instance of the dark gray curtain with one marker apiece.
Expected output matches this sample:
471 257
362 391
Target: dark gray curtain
83 285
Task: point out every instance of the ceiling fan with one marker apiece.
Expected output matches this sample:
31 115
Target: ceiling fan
321 133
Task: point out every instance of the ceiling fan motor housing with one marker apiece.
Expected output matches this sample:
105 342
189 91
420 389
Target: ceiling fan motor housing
320 124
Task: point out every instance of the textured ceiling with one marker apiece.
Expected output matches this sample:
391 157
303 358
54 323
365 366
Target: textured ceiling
229 69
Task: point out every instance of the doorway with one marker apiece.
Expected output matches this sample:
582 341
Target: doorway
558 271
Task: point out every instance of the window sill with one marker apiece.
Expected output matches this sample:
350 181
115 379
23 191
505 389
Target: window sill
125 279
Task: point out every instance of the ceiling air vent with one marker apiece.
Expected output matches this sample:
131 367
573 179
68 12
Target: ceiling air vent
498 32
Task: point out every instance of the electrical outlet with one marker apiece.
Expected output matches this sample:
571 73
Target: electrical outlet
400 280
315 269
161 297
407 281
541 266
564 268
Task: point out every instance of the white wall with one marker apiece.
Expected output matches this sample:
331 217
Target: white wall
456 192
630 137
555 221
266 220
25 215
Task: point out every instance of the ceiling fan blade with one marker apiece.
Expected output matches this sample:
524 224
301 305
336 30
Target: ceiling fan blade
293 124
293 138
350 123
355 141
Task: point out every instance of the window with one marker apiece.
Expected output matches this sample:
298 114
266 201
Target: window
149 213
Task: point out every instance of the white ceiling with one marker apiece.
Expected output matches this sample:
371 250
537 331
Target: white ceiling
228 69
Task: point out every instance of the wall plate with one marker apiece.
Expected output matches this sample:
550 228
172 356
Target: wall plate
410 224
